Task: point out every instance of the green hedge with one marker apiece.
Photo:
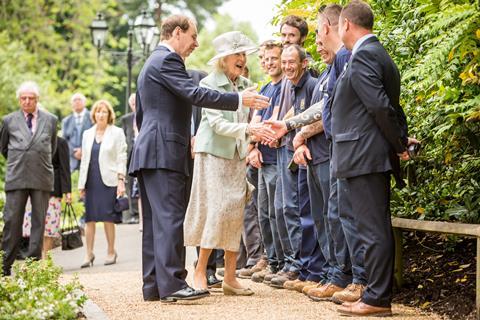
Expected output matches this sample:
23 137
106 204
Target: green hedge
436 45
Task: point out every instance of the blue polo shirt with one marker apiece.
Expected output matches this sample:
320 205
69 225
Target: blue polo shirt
302 94
273 92
341 59
318 143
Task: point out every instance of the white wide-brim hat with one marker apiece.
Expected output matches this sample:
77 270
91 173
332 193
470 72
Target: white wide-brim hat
230 43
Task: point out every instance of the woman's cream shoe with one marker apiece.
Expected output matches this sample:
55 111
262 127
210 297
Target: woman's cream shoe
112 260
231 291
88 263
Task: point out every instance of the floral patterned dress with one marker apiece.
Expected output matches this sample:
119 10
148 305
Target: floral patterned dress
52 218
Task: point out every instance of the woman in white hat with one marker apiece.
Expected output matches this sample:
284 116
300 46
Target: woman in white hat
214 218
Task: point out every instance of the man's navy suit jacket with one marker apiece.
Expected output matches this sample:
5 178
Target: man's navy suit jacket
368 124
165 95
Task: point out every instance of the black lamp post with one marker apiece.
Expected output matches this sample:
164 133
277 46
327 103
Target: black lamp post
98 31
146 33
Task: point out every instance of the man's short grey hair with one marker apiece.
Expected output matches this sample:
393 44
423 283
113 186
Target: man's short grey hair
28 86
78 95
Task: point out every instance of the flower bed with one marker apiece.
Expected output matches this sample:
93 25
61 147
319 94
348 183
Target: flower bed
35 292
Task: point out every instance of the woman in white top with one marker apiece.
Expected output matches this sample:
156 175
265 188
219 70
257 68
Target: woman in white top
102 177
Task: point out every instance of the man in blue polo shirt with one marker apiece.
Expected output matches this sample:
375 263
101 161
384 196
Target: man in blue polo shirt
294 65
264 158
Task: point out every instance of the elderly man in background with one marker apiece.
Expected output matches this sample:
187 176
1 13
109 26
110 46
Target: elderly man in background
127 123
73 127
28 139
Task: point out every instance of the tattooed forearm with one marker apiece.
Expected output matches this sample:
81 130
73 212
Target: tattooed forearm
312 129
312 114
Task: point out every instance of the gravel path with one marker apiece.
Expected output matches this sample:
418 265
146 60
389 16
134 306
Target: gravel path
117 290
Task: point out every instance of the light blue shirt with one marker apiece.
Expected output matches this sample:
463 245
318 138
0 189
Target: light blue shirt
360 41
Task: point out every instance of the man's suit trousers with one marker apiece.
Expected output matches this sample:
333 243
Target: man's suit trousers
164 201
370 198
14 212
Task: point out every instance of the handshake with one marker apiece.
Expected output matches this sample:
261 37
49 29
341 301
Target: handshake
267 132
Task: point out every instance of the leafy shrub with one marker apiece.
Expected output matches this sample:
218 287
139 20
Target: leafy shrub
34 292
436 45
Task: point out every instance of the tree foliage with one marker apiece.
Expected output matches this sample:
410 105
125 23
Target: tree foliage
49 41
435 44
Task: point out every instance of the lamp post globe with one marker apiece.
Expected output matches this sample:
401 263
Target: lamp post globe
155 39
98 30
144 28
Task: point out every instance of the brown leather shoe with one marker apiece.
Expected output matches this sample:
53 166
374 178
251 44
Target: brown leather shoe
290 284
260 276
361 309
269 277
324 293
348 304
246 273
302 284
306 289
351 293
278 281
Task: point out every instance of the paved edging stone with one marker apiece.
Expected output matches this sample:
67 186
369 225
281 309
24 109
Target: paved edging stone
93 312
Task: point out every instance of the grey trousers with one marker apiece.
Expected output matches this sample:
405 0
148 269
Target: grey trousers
14 212
132 212
252 238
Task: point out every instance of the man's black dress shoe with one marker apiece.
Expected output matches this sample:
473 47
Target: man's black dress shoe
213 281
152 298
187 293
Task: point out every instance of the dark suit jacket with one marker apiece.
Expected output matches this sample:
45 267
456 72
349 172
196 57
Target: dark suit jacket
368 124
165 94
61 169
126 123
196 76
68 133
29 157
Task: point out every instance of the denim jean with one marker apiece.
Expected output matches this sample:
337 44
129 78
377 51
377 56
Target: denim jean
341 273
319 190
314 265
267 180
290 211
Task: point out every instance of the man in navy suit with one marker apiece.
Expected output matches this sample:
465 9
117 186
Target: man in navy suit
165 96
368 125
73 127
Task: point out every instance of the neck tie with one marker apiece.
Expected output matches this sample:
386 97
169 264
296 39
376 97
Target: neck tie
29 121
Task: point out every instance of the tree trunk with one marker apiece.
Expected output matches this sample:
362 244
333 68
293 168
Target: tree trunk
158 13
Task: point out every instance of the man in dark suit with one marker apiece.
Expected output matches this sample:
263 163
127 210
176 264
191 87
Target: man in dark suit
165 94
128 125
28 139
73 127
368 124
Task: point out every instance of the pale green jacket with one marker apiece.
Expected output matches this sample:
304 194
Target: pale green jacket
222 132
